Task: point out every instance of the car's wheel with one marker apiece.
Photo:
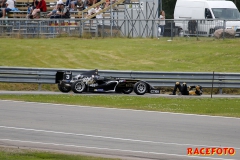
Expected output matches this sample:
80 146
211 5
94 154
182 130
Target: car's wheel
64 89
127 90
140 88
78 86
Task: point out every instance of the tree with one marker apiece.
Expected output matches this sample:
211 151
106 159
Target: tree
168 6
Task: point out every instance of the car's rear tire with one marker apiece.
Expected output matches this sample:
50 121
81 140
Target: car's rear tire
78 86
127 90
140 88
64 89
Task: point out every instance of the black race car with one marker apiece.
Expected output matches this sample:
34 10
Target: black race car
91 81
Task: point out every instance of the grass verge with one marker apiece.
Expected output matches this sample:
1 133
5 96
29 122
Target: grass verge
206 106
138 54
21 154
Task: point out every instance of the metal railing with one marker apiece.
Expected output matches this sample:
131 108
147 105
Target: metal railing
112 26
160 79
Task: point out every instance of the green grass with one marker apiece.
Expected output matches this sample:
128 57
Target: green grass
20 154
206 106
181 54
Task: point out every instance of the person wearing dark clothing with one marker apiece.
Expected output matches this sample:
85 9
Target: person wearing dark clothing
63 12
192 27
184 90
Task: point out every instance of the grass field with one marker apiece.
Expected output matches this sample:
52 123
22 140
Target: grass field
22 154
181 54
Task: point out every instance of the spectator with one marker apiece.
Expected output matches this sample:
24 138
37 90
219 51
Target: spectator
63 12
41 7
55 9
161 22
85 4
99 15
107 3
32 7
9 6
192 27
3 4
73 4
96 1
80 4
98 9
91 11
91 2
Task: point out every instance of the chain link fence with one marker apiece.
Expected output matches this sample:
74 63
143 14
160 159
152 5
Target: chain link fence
132 28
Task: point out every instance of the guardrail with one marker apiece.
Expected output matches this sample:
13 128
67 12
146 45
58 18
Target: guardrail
160 79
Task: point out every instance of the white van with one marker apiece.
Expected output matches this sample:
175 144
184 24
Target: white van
205 16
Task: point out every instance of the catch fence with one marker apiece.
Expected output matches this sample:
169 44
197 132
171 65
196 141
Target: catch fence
111 27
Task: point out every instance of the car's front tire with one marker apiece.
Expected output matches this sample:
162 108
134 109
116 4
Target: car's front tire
78 86
64 89
140 88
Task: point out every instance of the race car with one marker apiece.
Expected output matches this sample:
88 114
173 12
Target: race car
91 81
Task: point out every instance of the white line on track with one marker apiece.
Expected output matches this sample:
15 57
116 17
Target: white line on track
112 138
185 114
109 149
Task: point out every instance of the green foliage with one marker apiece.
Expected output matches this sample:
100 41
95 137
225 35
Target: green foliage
168 6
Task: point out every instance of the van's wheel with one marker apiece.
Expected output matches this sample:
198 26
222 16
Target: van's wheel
78 86
140 88
64 89
127 90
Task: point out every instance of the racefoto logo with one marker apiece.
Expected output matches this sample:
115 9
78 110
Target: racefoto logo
210 151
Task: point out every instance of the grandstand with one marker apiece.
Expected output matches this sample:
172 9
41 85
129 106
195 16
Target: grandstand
119 18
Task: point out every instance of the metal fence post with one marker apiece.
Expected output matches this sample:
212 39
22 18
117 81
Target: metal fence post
39 86
197 30
80 28
220 89
38 28
152 27
224 25
212 84
102 28
128 28
171 30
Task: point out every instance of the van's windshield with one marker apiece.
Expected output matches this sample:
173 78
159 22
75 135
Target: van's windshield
226 13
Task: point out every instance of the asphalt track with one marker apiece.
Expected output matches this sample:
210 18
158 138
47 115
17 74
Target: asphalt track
128 134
